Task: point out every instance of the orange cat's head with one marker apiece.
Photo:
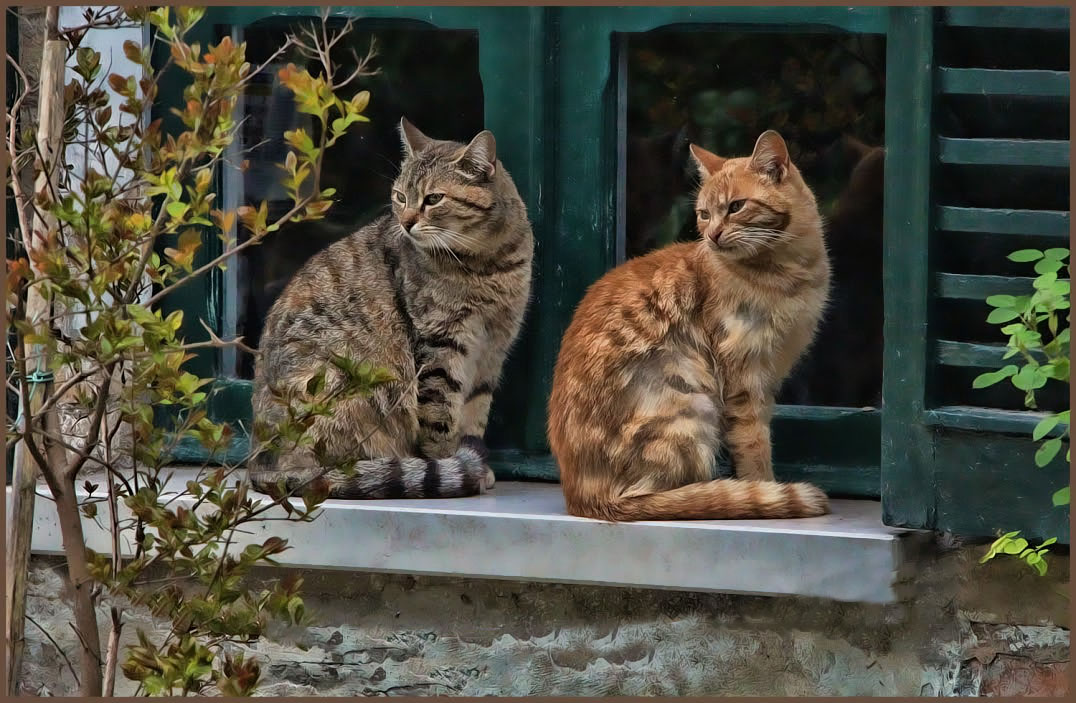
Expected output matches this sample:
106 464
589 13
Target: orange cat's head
755 205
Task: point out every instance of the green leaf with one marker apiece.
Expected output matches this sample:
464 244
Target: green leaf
1044 426
1058 254
1001 301
316 384
1047 451
177 209
1045 281
992 377
1025 255
1048 266
1048 542
1029 378
1000 315
1060 498
1014 546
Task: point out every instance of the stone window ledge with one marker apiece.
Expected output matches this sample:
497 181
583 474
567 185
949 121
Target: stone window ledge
520 531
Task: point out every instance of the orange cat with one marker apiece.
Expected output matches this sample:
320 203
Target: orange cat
676 353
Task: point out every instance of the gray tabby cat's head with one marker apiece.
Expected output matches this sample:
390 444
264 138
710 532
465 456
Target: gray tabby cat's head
451 195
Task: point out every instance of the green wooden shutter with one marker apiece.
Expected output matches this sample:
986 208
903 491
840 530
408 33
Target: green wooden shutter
978 167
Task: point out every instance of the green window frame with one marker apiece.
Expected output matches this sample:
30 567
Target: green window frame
552 78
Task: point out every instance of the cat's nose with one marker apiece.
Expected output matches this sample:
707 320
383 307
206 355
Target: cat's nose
408 220
715 234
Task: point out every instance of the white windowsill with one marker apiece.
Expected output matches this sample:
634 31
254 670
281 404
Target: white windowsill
521 531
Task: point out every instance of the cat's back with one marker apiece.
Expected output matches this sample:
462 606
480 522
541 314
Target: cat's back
658 285
341 299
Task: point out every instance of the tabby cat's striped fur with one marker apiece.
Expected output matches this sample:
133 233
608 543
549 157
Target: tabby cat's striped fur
674 354
435 293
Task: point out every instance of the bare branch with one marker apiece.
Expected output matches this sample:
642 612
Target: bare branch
70 666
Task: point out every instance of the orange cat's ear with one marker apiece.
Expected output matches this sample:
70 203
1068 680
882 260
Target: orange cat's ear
770 157
413 140
708 163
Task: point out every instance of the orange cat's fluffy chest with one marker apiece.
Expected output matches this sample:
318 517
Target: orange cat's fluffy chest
759 332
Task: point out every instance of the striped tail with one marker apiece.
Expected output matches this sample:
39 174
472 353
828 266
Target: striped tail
720 499
462 474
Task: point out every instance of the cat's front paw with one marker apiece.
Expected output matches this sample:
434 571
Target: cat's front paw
490 479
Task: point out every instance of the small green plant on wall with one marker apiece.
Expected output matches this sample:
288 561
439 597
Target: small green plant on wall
1038 330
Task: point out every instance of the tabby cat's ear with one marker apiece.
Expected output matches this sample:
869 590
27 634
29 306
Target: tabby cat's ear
413 140
770 157
707 162
479 158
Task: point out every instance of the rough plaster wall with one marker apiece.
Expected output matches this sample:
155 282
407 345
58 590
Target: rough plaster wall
970 630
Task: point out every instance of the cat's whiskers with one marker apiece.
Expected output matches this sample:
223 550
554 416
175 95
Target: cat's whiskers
757 238
457 237
444 246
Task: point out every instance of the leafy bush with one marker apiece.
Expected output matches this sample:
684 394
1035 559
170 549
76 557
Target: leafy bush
1042 359
104 242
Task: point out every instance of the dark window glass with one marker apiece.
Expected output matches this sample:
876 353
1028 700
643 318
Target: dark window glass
428 75
825 94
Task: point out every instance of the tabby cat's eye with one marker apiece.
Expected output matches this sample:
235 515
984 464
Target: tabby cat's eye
434 198
400 197
704 214
736 206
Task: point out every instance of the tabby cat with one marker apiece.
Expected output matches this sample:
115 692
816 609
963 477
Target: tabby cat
676 353
434 292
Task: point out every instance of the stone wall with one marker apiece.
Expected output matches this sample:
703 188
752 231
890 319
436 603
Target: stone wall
969 630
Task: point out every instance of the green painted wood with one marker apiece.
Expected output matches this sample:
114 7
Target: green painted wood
837 481
983 356
997 82
190 451
1004 152
960 286
1041 223
966 354
967 417
823 413
1055 18
990 484
869 20
844 443
907 467
514 465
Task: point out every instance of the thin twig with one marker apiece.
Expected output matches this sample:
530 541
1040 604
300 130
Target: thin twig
70 666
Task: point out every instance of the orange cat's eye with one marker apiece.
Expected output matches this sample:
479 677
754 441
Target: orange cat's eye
736 206
704 214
